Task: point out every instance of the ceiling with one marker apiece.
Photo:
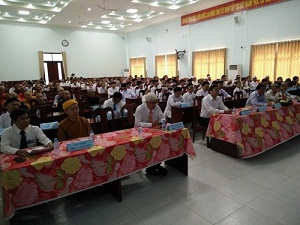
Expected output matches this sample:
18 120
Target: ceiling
100 14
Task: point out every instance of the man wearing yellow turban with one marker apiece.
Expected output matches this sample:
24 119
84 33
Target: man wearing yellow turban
74 126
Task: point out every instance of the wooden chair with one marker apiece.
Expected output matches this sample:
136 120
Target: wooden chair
238 97
197 127
45 113
82 105
128 122
104 125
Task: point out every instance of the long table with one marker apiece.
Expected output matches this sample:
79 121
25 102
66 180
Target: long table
47 176
250 135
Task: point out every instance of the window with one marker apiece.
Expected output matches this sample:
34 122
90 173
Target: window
166 65
276 60
138 66
211 62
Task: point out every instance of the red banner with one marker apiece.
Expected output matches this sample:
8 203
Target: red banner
224 9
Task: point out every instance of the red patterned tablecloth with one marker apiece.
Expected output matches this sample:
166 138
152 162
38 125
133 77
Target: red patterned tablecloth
117 154
257 132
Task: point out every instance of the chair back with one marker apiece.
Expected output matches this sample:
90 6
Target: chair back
34 120
238 96
45 113
82 105
104 125
128 122
197 108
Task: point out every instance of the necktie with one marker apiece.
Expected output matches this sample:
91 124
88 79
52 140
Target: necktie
23 143
115 108
150 118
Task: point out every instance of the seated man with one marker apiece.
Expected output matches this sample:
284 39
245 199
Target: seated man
149 114
112 89
92 99
22 135
204 89
189 95
174 100
115 103
11 104
127 92
74 126
212 104
66 96
258 97
273 93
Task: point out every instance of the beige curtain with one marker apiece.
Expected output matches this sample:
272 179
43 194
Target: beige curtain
172 65
160 65
138 66
217 60
41 64
211 62
262 61
64 57
288 60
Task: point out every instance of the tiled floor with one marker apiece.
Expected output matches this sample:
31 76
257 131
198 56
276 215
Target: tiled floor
220 190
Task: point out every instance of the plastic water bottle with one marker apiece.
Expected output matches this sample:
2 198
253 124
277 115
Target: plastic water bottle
92 136
38 113
163 124
234 111
56 145
140 130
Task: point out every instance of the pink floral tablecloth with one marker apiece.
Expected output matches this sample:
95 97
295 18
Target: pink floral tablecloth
257 132
51 175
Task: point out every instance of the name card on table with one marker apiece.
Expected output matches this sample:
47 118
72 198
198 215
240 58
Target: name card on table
277 106
175 126
78 145
49 126
245 112
261 109
185 104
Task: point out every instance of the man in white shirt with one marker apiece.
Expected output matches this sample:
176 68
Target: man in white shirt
239 88
204 89
127 92
174 100
142 112
212 104
11 104
258 97
149 114
22 135
222 91
189 95
112 89
253 83
115 103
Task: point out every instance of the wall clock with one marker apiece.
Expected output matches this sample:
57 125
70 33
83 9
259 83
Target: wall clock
64 43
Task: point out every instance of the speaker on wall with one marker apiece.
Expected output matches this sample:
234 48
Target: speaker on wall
237 19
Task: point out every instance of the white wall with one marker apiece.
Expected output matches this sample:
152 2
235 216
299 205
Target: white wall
89 54
278 22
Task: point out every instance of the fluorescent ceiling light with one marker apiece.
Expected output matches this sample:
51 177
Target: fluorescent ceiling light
23 12
89 9
138 20
174 7
132 10
105 22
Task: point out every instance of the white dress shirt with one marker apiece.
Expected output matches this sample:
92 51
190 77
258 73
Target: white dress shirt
142 115
5 120
256 100
201 92
111 91
11 138
245 94
253 85
189 97
212 106
224 93
172 101
110 103
128 94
